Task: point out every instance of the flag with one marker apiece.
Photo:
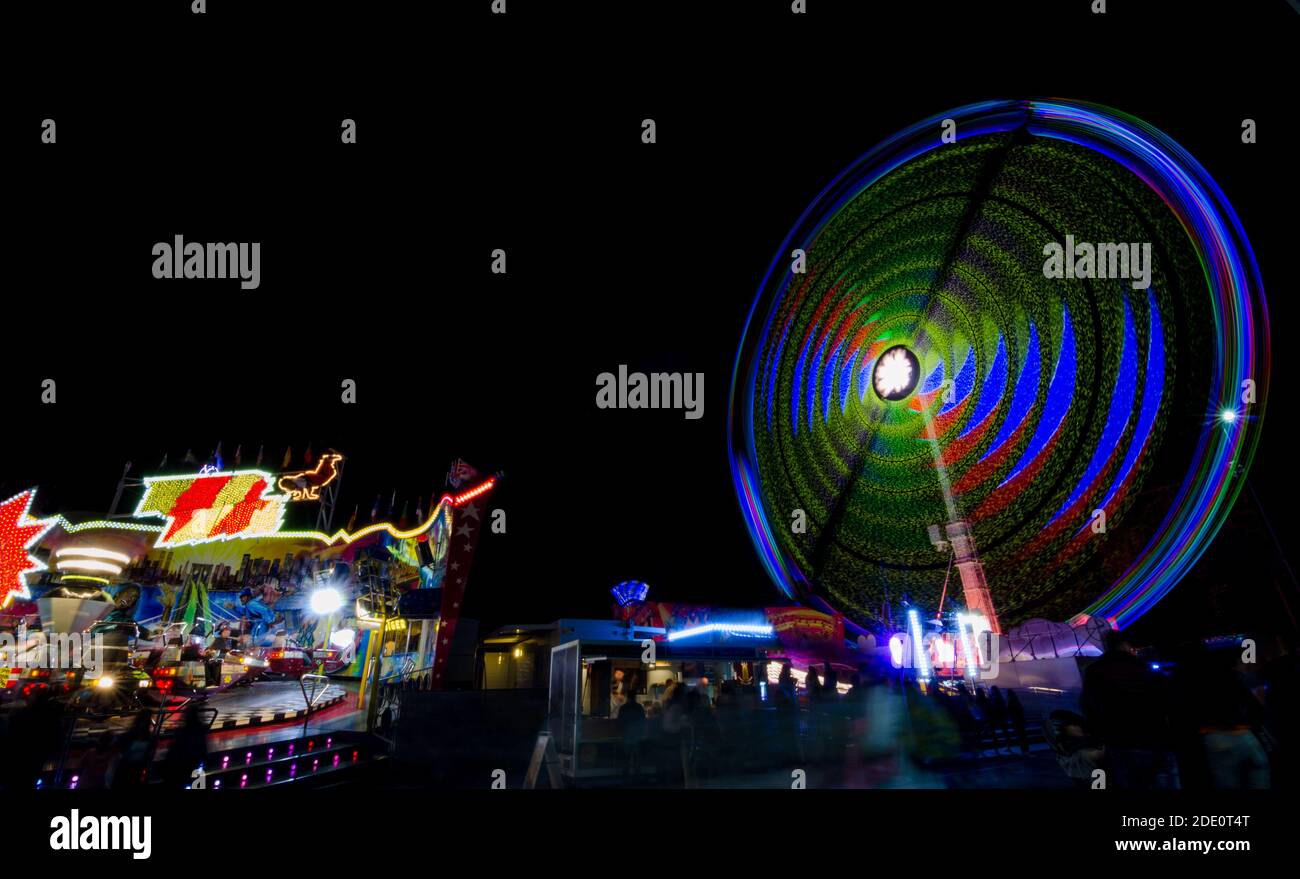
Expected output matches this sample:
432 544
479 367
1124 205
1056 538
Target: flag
460 473
402 521
163 462
189 457
239 455
259 456
392 504
374 510
308 456
288 458
352 523
419 511
216 456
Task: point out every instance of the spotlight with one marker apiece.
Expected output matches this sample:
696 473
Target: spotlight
326 601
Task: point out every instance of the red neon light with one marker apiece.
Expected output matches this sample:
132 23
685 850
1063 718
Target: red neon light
18 534
481 488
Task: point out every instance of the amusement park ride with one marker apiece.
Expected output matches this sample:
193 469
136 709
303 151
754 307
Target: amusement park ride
221 593
1021 407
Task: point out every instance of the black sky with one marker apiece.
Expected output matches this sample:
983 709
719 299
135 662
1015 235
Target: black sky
375 267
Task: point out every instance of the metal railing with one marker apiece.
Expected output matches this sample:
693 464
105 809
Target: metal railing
323 684
388 697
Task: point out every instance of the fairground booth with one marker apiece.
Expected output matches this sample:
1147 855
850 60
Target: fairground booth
592 668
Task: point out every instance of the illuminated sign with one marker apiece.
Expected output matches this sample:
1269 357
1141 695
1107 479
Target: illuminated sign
212 506
18 534
629 591
754 629
305 485
203 507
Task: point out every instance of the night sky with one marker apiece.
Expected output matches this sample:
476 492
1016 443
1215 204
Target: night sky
375 266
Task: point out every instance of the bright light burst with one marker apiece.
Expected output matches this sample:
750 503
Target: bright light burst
894 374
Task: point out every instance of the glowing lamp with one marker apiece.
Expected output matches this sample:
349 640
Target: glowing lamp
896 374
922 662
896 650
326 600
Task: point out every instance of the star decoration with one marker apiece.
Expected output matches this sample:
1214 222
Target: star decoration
18 534
464 530
471 512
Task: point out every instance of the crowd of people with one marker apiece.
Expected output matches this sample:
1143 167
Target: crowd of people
1207 721
1211 723
685 737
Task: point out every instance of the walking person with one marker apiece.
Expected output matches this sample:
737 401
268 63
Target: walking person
998 706
1016 716
137 753
188 749
1126 706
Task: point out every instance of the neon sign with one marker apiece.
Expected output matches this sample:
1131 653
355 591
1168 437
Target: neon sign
18 534
213 506
203 507
305 485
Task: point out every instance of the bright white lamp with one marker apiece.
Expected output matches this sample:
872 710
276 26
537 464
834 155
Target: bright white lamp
325 601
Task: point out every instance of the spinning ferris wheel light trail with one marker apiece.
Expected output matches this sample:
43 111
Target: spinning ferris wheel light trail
922 365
